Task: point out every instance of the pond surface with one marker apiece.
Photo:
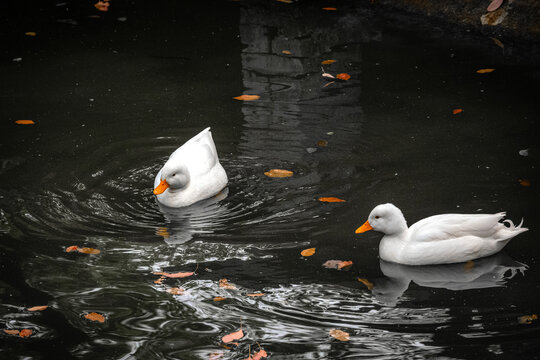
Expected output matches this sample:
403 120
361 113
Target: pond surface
113 94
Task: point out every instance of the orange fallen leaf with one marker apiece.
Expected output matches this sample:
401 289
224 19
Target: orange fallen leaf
30 33
160 280
484 71
215 356
366 282
498 42
322 143
525 182
257 356
95 317
233 336
247 97
25 333
102 6
87 250
494 5
285 1
37 308
25 122
11 331
343 76
344 264
163 232
457 111
327 62
339 335
255 294
278 173
337 264
224 283
527 319
176 291
286 52
329 8
330 199
308 252
178 274
219 298
72 248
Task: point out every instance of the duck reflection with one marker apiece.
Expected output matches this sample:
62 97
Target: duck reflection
203 217
493 271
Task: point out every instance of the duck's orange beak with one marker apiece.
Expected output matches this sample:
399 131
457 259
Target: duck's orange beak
163 185
365 227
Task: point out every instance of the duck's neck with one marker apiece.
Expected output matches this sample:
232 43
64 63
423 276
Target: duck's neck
391 246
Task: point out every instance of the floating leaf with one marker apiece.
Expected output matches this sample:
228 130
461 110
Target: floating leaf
233 336
30 33
286 52
178 274
87 250
527 319
366 282
37 308
494 5
95 317
163 232
72 248
457 111
339 335
322 143
343 76
160 280
247 97
25 333
255 294
285 1
331 199
498 42
524 152
278 173
525 182
337 264
219 298
327 62
102 5
176 291
308 252
11 331
258 355
327 75
484 71
25 122
329 8
224 283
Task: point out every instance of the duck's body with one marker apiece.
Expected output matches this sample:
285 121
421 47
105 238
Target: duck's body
192 173
439 239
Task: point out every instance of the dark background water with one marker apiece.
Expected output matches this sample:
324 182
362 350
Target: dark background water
113 94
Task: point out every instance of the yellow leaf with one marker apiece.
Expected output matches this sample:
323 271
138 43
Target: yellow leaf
30 33
247 97
25 122
331 199
339 335
95 317
163 232
366 282
527 319
308 252
484 71
327 62
525 182
37 308
278 173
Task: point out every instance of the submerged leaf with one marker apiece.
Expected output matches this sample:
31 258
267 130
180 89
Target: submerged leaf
330 199
484 71
95 317
247 97
339 335
308 252
233 336
37 308
278 173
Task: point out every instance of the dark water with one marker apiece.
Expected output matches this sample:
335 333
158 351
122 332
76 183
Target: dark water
113 96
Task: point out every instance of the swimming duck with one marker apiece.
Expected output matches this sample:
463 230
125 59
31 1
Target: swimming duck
439 239
192 173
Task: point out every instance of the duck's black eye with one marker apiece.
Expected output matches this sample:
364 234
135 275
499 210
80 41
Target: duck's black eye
173 174
377 216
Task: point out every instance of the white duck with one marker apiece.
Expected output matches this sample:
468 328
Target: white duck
439 239
191 173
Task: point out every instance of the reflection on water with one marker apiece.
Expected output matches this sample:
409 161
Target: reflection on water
86 180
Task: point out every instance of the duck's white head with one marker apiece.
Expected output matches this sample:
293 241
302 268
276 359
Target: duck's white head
174 176
386 218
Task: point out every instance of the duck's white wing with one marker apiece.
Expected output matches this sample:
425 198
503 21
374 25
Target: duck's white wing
198 154
453 226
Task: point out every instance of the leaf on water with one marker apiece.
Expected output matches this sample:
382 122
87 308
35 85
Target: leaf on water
343 76
497 42
178 274
37 308
176 291
163 232
25 333
328 84
25 122
339 335
330 199
219 298
524 152
257 356
247 97
484 71
233 336
308 252
337 264
160 280
329 8
278 173
224 283
525 182
366 282
457 111
527 319
327 75
215 356
255 294
102 5
286 52
285 1
322 143
327 62
72 248
11 331
95 317
87 250
30 33
494 5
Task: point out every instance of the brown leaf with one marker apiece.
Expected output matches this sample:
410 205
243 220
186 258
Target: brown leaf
224 283
340 335
215 356
498 42
366 282
329 8
160 280
72 248
286 52
163 232
327 62
176 291
233 336
30 33
322 143
260 354
11 331
527 319
469 265
525 182
37 308
87 250
330 199
219 298
278 173
308 252
484 71
95 317
255 294
102 5
343 76
178 274
24 122
494 5
337 264
285 1
25 333
457 111
247 97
